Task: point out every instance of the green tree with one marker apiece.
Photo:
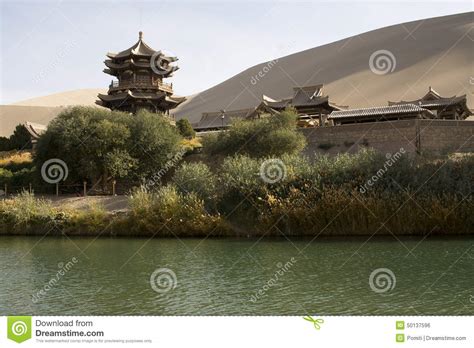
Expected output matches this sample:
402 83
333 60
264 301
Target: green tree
268 136
5 144
155 142
20 139
100 144
185 128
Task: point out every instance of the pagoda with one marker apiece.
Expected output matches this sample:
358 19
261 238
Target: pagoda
139 73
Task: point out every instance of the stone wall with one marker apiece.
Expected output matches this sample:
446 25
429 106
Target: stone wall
446 136
435 136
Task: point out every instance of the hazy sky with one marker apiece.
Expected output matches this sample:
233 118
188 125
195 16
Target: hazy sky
54 46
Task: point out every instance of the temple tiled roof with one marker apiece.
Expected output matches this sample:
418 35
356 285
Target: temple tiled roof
35 129
215 120
379 111
276 104
308 95
308 98
432 102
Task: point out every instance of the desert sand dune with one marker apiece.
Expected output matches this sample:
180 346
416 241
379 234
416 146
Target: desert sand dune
43 109
438 53
435 52
76 97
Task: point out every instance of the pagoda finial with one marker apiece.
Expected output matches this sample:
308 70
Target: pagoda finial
140 35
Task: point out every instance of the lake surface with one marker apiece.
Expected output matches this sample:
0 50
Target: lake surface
235 277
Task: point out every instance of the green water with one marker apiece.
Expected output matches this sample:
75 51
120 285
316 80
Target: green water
219 277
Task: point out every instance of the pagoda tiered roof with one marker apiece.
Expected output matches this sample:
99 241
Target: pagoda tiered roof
140 71
140 57
142 95
139 49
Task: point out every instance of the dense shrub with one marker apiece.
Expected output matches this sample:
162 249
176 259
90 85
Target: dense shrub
19 179
5 177
191 145
268 136
324 187
185 128
16 170
196 178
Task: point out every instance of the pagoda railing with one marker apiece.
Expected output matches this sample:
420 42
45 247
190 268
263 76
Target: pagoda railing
165 87
130 84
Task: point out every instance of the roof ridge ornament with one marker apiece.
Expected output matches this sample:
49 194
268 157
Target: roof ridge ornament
140 35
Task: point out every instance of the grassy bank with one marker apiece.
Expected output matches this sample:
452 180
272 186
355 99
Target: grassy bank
347 195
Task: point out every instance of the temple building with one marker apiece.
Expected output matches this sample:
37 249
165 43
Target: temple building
139 72
311 105
380 113
431 106
35 130
444 108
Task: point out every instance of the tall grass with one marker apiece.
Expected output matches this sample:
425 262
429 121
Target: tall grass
341 212
26 214
24 211
14 157
166 212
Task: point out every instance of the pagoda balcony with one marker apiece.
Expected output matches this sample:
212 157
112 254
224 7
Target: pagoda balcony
117 85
